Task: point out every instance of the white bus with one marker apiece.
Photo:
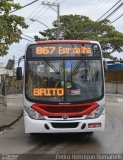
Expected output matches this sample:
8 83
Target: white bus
63 87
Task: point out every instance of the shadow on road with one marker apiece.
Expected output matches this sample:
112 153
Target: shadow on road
64 137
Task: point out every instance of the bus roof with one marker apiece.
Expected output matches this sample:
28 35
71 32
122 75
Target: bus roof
65 41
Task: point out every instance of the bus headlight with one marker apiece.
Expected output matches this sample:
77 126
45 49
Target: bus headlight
33 114
96 113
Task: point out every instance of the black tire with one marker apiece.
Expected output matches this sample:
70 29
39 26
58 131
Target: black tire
89 133
33 134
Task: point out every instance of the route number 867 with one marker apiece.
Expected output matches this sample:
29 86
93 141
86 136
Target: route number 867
45 50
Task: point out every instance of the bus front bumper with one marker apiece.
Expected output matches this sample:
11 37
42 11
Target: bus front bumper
71 126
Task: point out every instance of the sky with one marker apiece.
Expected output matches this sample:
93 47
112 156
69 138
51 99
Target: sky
91 8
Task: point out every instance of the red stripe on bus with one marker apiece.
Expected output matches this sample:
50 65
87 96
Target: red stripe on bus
43 109
62 41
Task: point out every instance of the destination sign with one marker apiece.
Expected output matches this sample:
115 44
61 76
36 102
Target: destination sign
63 50
48 92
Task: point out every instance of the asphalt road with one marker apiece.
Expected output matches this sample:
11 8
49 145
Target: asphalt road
15 141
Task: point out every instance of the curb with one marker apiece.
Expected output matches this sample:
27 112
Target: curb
11 123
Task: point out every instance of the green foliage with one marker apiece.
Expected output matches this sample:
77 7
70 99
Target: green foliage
10 25
81 27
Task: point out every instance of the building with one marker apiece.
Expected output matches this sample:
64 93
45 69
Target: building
4 71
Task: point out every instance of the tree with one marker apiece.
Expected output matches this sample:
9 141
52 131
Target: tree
81 27
10 25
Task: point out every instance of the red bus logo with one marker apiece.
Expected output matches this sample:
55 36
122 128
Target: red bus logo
65 116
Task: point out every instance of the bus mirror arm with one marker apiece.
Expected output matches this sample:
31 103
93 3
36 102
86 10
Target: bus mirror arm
20 59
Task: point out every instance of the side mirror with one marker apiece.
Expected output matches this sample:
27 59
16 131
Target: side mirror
105 66
19 73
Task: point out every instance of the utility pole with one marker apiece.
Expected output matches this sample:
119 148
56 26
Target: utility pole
58 19
13 79
51 5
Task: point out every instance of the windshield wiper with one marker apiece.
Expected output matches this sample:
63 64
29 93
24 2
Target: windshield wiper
75 70
52 66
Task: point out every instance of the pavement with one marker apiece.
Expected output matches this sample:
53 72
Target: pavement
12 109
118 98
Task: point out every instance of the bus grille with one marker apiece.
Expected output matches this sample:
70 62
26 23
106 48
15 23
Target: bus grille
65 125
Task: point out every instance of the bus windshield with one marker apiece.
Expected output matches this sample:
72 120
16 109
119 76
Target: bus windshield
64 80
63 73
